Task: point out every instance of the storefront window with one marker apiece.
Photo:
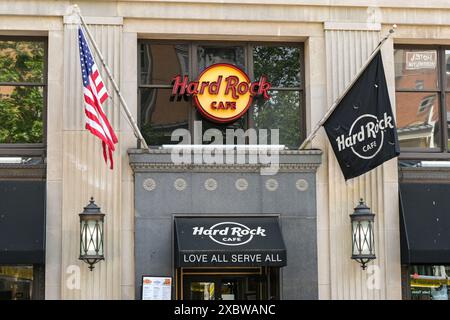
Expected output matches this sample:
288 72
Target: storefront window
429 282
22 92
160 113
422 83
208 55
16 282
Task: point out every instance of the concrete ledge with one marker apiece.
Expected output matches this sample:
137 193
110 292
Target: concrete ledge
115 21
159 160
352 26
424 175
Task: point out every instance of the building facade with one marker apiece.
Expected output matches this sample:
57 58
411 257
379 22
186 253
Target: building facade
310 50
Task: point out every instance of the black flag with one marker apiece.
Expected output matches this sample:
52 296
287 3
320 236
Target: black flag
361 129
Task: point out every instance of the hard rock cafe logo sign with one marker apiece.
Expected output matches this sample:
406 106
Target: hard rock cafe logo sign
229 233
366 135
223 92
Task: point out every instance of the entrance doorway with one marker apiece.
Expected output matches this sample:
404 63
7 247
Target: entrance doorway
228 284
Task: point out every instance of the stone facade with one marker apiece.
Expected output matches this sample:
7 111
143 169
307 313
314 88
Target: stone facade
338 38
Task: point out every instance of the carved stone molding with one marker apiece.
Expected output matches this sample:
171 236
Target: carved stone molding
272 184
180 184
241 184
159 160
149 184
422 175
210 184
169 167
301 185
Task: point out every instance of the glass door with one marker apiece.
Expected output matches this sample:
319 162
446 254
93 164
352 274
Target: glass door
224 287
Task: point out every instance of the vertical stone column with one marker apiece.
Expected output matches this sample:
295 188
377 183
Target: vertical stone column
348 45
55 90
84 173
315 90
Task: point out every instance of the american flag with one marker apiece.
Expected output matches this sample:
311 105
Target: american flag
95 94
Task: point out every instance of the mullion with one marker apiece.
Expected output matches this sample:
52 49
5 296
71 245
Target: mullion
443 108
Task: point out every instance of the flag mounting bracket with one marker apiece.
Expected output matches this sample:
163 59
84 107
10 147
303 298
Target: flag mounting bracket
328 113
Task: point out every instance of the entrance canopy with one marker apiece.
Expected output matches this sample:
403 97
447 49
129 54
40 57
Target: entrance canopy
425 223
229 242
22 222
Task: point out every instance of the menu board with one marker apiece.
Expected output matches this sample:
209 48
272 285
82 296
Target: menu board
156 288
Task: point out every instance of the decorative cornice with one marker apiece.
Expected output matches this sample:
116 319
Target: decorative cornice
251 168
424 175
158 160
281 152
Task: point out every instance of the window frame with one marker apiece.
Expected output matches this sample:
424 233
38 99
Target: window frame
443 152
194 72
30 149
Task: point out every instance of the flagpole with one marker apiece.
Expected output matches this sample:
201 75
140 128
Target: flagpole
130 118
313 133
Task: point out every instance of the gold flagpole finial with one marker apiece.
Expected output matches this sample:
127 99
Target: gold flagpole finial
394 26
76 9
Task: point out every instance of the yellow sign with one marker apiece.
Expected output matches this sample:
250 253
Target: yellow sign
223 92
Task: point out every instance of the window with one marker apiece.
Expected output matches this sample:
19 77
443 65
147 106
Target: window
16 282
22 95
427 282
160 114
422 81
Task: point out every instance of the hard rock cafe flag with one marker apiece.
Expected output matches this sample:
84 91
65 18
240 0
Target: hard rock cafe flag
361 128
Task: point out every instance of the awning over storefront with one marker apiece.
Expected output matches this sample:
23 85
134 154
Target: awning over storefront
229 241
425 223
22 222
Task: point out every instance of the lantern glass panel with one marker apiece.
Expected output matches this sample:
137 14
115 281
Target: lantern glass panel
92 244
362 238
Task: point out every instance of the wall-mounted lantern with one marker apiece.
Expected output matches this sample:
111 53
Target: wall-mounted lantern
363 243
91 234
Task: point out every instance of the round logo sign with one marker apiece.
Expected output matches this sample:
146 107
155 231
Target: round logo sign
223 92
231 99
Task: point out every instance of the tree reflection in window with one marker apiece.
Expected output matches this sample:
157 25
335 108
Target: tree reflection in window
21 91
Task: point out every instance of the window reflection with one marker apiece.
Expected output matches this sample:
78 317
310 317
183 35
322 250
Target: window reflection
418 119
161 115
160 62
447 103
282 111
429 282
447 67
240 123
281 64
416 69
22 61
202 291
208 55
21 114
16 282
